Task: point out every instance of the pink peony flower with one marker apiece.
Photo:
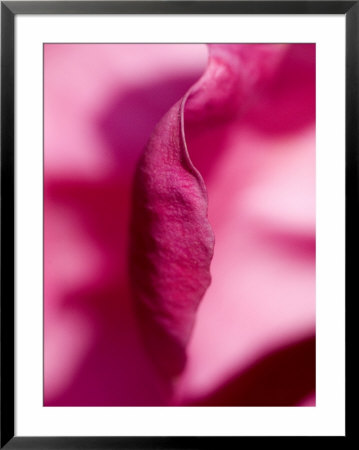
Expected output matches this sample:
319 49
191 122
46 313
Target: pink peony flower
179 226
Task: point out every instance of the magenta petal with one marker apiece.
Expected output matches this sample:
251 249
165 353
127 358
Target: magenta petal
172 243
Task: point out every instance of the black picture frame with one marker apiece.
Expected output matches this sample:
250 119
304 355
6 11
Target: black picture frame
9 9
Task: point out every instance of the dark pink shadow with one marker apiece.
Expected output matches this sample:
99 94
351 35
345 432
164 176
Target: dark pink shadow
282 378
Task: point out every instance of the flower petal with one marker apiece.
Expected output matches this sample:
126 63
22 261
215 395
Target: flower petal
172 241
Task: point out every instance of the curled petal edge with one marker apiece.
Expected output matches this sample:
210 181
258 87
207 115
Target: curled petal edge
172 241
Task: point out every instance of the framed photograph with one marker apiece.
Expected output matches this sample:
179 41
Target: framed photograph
179 185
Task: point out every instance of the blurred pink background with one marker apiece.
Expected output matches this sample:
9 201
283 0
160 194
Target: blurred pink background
254 338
